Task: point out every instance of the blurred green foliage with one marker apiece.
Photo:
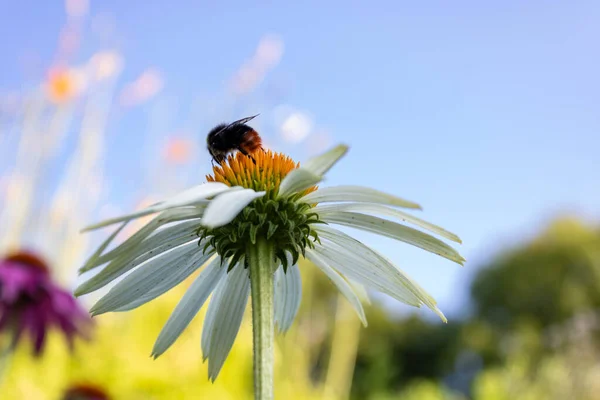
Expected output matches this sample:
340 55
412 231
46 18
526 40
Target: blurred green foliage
554 277
533 333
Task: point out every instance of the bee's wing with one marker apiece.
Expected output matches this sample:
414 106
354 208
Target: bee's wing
243 120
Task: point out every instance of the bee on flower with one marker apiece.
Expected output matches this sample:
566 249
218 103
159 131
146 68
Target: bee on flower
245 230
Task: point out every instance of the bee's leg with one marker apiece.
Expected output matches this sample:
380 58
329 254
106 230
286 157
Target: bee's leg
244 152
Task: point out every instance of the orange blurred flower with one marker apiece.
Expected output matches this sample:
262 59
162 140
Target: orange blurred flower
63 84
178 151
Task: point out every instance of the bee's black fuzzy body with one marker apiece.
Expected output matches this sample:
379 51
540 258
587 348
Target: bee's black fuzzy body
224 139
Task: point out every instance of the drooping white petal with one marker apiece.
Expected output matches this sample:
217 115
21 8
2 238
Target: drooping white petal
211 312
320 164
154 246
396 231
392 212
166 217
358 194
355 269
298 180
149 275
288 294
188 197
189 305
228 318
339 281
359 263
225 207
425 297
363 264
360 291
174 278
94 257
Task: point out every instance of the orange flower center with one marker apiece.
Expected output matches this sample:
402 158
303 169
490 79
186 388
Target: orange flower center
29 259
263 171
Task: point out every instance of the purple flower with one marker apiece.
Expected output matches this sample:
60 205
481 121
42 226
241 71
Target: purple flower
30 303
85 392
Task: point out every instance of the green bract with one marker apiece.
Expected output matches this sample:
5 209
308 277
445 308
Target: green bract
285 223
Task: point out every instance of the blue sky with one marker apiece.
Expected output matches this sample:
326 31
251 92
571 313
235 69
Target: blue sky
486 114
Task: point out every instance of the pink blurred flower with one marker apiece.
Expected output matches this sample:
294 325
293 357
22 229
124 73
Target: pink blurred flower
145 87
77 8
253 71
31 303
85 392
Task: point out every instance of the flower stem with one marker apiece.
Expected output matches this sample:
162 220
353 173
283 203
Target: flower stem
4 361
261 262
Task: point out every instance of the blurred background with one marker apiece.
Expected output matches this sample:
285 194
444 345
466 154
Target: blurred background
488 115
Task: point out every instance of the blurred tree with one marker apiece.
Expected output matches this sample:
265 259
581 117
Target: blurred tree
519 298
421 390
547 281
537 313
392 353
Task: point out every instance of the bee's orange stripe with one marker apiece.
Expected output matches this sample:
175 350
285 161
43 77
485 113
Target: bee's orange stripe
252 142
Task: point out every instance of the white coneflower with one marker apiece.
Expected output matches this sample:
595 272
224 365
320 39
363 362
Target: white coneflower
246 229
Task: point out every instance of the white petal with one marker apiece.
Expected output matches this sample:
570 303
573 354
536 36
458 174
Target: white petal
288 294
421 293
392 212
357 194
319 165
94 257
189 306
211 312
363 264
128 259
396 231
228 318
187 197
359 263
145 278
225 207
298 180
360 291
176 275
166 217
339 282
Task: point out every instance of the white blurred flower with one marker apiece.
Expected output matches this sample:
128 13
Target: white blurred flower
105 64
296 127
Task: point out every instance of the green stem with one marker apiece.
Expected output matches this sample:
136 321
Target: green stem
4 361
261 262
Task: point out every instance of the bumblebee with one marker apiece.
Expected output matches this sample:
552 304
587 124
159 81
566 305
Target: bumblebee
226 138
